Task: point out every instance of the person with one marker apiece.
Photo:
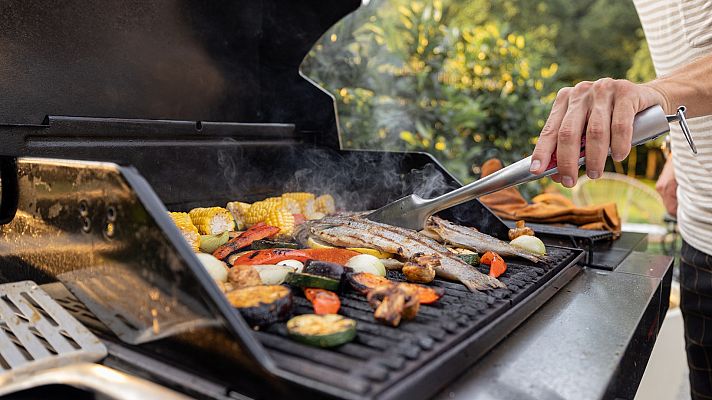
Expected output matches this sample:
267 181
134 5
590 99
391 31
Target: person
679 35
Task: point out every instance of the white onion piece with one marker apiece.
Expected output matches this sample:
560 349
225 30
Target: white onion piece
296 265
529 243
216 268
367 263
273 274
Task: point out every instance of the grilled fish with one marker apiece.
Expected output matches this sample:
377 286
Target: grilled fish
359 232
473 239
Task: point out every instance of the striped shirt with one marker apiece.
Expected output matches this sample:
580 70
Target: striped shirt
679 31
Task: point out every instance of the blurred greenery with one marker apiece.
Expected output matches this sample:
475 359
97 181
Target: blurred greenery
469 80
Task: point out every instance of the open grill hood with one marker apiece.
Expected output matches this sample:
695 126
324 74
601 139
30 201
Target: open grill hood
178 104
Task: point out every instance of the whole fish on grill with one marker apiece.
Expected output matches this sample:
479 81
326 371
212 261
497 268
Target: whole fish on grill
471 238
359 232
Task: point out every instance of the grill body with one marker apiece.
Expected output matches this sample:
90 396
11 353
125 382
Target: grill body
134 108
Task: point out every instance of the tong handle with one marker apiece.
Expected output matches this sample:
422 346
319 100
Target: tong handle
647 125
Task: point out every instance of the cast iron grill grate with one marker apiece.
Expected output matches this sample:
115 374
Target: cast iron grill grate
381 355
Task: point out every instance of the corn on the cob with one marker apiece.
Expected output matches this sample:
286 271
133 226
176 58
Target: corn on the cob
281 218
239 213
212 220
186 227
301 197
325 204
291 205
258 211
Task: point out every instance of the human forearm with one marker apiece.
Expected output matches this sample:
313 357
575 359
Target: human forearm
689 85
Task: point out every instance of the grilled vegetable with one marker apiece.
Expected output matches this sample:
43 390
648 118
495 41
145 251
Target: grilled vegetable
315 243
271 244
272 274
239 213
367 263
393 303
262 305
281 218
257 232
363 282
210 243
187 229
520 230
496 263
303 280
327 269
392 264
260 211
529 243
419 273
212 220
303 198
297 266
323 301
426 294
322 330
325 204
244 276
335 255
216 268
472 259
269 256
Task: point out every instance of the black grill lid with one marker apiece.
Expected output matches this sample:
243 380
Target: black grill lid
218 60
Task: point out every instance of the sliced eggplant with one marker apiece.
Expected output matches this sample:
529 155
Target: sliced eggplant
304 280
327 269
262 305
327 330
363 282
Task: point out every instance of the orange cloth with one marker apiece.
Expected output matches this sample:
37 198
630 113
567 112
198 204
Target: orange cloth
548 208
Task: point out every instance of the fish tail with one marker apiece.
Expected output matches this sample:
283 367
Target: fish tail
474 286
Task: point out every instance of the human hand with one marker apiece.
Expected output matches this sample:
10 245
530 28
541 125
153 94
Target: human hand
604 110
667 187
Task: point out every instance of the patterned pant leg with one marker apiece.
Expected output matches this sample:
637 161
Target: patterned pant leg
696 305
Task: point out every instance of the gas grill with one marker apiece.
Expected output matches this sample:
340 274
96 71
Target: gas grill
111 116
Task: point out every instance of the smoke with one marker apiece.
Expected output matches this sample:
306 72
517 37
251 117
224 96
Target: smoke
363 180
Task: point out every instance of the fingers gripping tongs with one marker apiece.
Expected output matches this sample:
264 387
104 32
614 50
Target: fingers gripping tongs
412 211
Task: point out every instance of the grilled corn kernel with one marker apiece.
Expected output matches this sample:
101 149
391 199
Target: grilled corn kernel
325 204
212 220
259 210
282 219
291 205
239 213
301 197
186 227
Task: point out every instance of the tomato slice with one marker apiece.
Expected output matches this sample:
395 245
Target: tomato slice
323 301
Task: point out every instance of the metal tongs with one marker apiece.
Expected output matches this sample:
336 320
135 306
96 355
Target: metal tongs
412 211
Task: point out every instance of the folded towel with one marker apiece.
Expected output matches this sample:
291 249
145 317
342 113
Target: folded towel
548 208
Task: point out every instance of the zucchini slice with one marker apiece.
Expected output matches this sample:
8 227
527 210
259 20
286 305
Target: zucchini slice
262 305
326 330
312 281
472 259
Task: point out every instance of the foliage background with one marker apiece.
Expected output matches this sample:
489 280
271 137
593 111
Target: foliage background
467 80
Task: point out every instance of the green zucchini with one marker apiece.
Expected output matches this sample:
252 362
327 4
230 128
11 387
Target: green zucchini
326 330
312 281
472 259
271 244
